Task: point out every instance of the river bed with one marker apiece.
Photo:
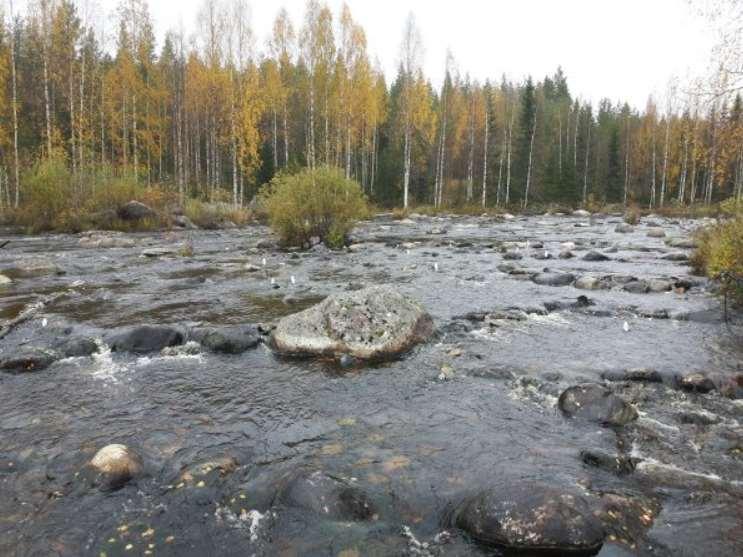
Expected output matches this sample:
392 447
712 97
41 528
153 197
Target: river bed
474 407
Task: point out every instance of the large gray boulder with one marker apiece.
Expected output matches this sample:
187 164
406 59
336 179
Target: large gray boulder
532 518
134 210
375 323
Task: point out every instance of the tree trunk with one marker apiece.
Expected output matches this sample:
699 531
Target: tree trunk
15 109
485 161
531 153
665 162
585 173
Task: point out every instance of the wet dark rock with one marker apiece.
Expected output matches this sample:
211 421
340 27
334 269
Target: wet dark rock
616 464
532 518
624 228
542 255
639 375
512 256
227 340
134 210
77 347
696 383
146 338
553 279
370 324
581 302
437 230
159 252
595 256
536 244
327 496
566 254
114 466
637 287
511 269
28 359
698 418
596 403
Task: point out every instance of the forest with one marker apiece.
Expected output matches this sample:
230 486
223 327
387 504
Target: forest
213 116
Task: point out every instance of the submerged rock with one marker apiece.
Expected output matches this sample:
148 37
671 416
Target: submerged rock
636 287
553 279
146 338
228 340
532 518
134 210
656 233
115 465
596 403
77 347
616 464
28 359
327 496
696 383
659 285
624 228
369 324
595 256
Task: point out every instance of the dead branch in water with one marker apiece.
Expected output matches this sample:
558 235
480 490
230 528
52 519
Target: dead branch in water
29 312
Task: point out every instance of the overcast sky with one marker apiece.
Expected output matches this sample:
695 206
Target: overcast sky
622 50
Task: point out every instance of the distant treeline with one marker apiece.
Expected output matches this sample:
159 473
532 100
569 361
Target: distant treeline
211 116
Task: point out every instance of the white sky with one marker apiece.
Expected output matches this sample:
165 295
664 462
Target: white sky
623 50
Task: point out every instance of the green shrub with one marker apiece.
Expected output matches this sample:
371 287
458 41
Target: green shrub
319 203
720 256
47 194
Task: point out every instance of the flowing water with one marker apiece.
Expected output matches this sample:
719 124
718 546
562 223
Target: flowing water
472 408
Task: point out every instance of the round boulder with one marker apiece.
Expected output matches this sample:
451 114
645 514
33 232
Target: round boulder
375 323
534 519
134 210
596 403
115 465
